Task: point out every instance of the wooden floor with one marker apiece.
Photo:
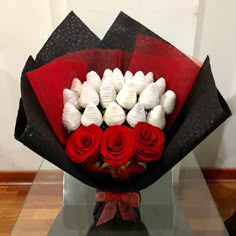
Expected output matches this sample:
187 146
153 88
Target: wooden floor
12 198
224 195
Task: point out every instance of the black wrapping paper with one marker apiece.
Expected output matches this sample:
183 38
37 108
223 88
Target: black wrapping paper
123 32
204 110
112 228
70 36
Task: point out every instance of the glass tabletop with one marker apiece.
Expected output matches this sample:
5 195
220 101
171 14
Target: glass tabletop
193 210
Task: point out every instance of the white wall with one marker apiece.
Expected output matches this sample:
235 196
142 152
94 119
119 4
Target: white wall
216 36
173 20
24 27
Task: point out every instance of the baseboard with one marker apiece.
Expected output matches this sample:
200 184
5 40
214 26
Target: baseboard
27 177
17 177
219 175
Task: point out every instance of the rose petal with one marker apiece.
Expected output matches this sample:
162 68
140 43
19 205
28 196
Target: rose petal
150 142
84 144
118 145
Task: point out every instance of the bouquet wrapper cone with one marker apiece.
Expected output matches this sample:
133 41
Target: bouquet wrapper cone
204 110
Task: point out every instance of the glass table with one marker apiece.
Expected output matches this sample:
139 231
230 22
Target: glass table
178 204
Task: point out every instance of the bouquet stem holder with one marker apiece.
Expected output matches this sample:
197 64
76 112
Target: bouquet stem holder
157 214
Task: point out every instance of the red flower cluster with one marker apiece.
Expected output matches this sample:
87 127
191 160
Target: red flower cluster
116 146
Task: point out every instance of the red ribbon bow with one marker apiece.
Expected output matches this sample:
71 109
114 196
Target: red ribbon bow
123 203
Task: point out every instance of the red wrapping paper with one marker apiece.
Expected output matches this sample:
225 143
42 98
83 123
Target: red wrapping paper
149 54
49 80
166 61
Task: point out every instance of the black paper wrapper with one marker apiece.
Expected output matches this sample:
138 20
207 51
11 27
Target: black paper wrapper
70 36
123 32
205 109
114 228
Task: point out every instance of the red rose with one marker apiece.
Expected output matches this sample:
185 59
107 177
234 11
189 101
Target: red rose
84 144
150 142
118 145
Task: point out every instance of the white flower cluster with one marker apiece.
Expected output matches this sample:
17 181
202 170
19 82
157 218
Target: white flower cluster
138 96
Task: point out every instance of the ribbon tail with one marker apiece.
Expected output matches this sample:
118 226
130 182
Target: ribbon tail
108 212
126 211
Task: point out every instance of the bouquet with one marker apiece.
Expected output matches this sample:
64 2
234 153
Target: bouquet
116 113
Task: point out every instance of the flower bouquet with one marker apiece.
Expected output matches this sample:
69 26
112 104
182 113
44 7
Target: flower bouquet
116 113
